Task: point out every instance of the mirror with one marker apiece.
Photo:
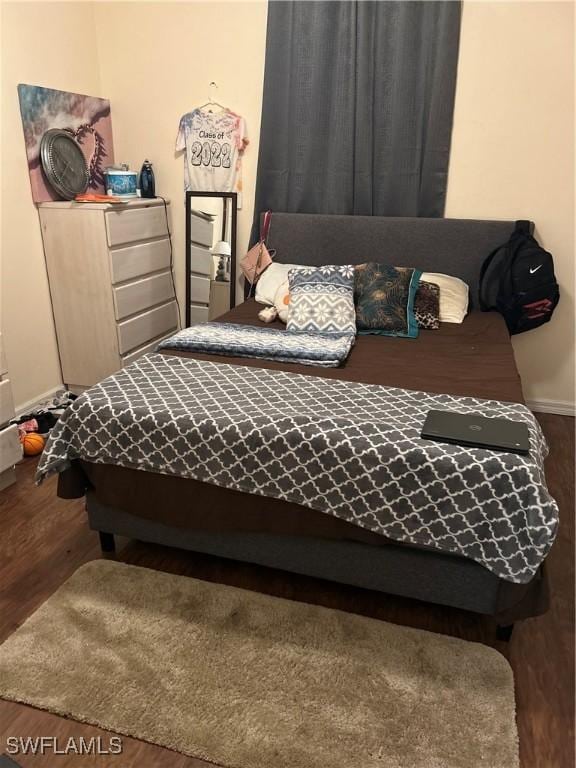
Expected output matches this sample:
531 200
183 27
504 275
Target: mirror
210 255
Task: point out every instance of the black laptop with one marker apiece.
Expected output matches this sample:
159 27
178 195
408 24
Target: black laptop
475 431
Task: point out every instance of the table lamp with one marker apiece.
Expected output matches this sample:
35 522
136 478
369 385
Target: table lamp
223 251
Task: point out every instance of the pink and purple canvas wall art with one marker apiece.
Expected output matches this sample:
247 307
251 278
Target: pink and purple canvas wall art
88 118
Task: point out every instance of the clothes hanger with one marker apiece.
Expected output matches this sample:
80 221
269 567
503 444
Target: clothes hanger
211 102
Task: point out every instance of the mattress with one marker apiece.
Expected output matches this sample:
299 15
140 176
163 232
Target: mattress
474 359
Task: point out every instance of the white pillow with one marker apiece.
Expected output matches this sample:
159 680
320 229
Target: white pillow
270 281
282 300
453 296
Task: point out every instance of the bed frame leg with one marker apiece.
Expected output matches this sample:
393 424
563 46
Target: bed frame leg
504 632
107 543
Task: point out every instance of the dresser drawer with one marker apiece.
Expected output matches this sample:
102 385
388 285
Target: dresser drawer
200 289
142 294
138 224
137 260
10 447
198 314
201 231
6 402
135 354
201 260
143 328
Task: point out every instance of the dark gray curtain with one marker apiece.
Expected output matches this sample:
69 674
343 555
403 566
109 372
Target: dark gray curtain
357 107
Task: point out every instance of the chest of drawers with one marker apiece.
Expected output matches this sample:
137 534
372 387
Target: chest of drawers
110 284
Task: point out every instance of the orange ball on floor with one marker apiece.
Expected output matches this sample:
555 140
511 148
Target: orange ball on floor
32 444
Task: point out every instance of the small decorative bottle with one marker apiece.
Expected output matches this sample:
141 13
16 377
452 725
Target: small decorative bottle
147 185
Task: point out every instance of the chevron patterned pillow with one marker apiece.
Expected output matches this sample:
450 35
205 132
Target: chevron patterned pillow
322 300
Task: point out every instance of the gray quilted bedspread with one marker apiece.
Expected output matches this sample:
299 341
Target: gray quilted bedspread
346 449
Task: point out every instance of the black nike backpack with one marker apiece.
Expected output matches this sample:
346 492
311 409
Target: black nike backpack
517 280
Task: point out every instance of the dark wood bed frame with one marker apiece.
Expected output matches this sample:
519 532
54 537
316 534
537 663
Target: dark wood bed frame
452 246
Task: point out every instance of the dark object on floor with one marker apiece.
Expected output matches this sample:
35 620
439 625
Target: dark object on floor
504 632
44 421
45 415
517 280
107 543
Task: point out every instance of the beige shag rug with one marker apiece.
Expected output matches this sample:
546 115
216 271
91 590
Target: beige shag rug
246 680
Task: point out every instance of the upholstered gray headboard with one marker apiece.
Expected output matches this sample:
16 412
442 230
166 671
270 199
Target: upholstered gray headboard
453 246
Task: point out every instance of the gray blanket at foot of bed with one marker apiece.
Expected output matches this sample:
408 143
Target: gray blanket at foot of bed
347 449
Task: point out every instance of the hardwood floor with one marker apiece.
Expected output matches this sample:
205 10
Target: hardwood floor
44 539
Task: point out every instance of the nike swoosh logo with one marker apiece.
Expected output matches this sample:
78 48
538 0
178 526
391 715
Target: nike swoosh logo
535 269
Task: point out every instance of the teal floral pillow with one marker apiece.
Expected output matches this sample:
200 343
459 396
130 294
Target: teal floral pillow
384 298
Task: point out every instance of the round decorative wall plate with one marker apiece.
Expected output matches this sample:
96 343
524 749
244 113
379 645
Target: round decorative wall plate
63 163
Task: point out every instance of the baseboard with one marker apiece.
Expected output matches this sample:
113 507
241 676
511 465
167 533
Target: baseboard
559 407
31 405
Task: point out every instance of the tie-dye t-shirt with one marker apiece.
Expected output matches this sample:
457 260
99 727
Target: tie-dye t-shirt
214 143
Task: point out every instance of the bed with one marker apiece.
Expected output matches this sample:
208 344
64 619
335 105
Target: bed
472 359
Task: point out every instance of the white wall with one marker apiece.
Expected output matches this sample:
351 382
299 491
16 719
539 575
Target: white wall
157 60
513 156
29 55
